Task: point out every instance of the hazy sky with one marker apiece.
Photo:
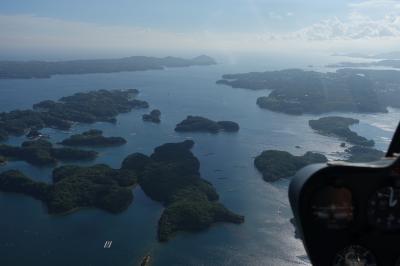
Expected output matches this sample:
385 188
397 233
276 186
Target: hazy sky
128 27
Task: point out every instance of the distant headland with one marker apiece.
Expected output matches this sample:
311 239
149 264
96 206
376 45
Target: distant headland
295 91
46 69
339 127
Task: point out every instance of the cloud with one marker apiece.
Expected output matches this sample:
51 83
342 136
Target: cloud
26 33
357 26
370 19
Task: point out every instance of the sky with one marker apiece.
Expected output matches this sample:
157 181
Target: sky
76 28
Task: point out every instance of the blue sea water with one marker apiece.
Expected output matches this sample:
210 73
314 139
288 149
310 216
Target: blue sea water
29 236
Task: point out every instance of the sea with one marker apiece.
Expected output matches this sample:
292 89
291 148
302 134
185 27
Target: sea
30 236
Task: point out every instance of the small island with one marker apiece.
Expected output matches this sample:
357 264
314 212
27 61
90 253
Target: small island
46 69
171 176
3 160
295 91
76 187
33 134
42 153
154 116
84 107
145 261
339 127
93 138
362 154
201 124
274 164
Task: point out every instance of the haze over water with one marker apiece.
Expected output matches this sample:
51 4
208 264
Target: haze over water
266 237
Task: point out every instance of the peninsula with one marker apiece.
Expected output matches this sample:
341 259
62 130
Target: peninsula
295 91
339 127
201 124
46 69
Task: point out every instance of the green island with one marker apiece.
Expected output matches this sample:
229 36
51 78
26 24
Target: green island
87 107
339 127
153 116
362 154
171 176
274 164
75 187
201 124
93 138
295 91
42 153
46 69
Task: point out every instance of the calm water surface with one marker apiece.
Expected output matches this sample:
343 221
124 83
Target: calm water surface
29 236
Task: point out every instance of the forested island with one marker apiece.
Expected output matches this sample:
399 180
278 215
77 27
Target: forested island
93 138
42 153
154 116
295 91
84 107
75 187
362 154
171 176
339 127
46 69
274 164
201 124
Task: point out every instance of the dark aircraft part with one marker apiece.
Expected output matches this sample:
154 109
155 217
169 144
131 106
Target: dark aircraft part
349 214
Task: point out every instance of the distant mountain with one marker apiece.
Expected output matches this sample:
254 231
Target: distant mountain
381 63
45 69
389 55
